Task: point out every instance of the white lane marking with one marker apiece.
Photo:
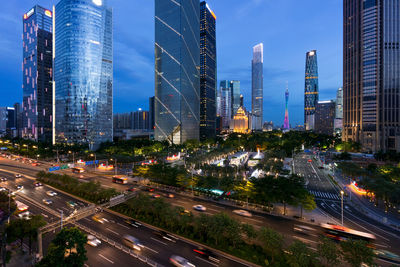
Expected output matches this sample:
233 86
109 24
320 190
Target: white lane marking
123 226
217 206
258 216
315 172
107 259
86 219
254 220
44 215
108 229
380 245
151 250
214 210
209 262
304 239
152 238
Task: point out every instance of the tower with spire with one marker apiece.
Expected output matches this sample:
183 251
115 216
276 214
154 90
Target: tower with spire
286 122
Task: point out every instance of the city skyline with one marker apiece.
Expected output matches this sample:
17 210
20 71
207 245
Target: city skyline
133 73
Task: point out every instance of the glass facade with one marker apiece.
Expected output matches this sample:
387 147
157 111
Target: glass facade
235 91
325 117
226 103
208 72
37 68
83 72
257 86
177 75
311 91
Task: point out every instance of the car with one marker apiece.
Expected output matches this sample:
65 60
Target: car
170 195
132 242
185 212
199 208
99 219
38 184
51 193
2 189
165 235
3 179
150 189
25 215
244 213
72 204
207 254
47 201
19 187
310 160
387 256
93 241
35 164
133 223
18 175
155 195
180 261
303 229
131 189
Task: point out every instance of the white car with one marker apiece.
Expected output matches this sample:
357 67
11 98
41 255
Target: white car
47 201
93 241
25 215
51 193
199 208
180 261
18 175
244 213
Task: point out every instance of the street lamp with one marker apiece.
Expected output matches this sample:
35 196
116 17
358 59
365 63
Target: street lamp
94 160
342 193
115 166
73 157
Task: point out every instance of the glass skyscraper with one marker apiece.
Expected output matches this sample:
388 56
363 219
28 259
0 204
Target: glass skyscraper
177 75
235 91
257 86
226 103
371 71
208 72
83 72
311 91
37 68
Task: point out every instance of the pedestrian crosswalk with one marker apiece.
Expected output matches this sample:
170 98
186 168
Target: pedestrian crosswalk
325 195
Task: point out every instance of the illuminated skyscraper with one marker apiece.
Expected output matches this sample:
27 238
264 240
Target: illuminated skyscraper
286 125
235 96
37 67
208 72
226 103
311 90
371 71
83 72
177 76
257 86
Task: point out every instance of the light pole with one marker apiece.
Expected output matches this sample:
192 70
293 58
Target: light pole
115 165
342 193
94 160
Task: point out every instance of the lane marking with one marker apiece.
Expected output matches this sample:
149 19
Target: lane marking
217 206
209 262
254 220
107 259
151 250
123 226
214 210
44 215
304 239
108 229
152 238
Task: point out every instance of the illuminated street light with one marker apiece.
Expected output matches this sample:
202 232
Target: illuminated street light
342 193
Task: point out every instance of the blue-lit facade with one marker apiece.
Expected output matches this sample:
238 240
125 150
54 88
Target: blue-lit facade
257 86
83 72
311 91
225 90
208 72
235 96
37 68
177 75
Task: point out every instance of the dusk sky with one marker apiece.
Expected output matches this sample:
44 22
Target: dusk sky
288 29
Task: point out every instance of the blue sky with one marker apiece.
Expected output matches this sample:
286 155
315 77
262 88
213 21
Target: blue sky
288 29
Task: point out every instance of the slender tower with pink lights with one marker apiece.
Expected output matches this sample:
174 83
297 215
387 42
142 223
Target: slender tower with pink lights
286 122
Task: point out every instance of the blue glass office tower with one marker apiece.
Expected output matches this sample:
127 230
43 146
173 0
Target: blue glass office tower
257 86
37 68
225 103
208 72
83 72
177 75
235 91
311 92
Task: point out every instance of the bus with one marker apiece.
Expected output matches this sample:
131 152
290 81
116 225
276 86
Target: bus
119 179
78 170
340 233
21 207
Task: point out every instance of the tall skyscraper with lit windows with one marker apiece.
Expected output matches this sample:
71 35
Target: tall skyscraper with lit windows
177 75
235 92
257 87
311 91
208 72
83 72
371 71
37 67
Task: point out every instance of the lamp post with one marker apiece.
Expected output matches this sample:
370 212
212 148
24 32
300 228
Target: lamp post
94 160
115 166
342 193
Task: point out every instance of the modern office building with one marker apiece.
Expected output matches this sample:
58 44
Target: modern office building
3 120
339 111
286 124
83 72
177 75
235 91
257 87
208 72
226 103
18 114
325 117
311 91
151 113
371 71
37 74
140 120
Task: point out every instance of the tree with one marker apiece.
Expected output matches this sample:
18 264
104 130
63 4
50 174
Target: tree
329 251
300 255
67 249
356 252
307 202
272 242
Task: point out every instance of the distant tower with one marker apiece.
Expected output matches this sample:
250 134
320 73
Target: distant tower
286 122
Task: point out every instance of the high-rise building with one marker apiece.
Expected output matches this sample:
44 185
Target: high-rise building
208 72
83 72
257 87
177 75
140 120
3 120
235 91
371 71
339 111
151 113
226 103
240 122
286 124
37 68
18 114
325 117
311 91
